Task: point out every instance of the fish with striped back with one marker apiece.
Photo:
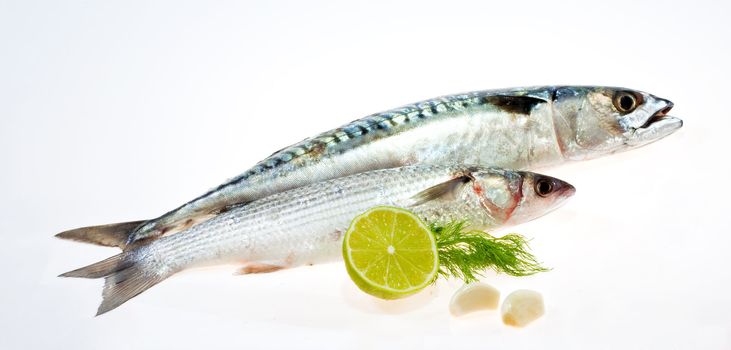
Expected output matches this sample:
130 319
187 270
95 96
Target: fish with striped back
519 128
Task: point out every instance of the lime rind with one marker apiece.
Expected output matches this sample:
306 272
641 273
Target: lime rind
409 268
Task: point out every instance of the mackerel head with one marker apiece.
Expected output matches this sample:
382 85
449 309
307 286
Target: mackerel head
522 129
594 121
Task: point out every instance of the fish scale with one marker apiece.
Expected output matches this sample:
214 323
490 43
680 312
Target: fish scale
521 128
356 133
305 225
355 130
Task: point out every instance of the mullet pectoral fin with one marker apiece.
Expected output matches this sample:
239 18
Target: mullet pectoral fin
445 190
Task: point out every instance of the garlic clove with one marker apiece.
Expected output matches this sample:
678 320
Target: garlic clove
473 297
522 307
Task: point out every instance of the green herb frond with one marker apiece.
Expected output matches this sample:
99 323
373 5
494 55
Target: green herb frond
466 254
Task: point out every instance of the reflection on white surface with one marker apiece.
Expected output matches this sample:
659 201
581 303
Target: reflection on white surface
114 112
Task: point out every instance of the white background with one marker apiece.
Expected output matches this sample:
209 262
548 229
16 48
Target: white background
116 111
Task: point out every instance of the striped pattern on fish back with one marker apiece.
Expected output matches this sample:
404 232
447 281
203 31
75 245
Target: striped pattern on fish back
362 130
302 156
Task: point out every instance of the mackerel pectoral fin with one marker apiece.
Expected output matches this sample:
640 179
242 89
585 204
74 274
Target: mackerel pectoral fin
111 235
445 190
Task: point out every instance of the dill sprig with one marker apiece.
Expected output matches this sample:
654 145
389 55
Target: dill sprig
466 254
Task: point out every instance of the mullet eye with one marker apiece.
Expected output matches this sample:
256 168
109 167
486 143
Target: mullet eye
544 187
625 102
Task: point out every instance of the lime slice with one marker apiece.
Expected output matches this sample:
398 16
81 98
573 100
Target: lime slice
390 253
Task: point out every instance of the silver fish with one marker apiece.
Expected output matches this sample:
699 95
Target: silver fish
524 128
306 225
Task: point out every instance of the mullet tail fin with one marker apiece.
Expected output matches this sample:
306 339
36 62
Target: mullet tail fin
126 275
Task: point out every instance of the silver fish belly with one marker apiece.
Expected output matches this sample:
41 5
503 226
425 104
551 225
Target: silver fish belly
306 225
461 129
522 128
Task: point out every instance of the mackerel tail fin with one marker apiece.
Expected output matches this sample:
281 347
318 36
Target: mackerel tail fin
112 235
126 275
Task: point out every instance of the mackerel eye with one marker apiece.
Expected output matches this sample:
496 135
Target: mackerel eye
625 102
544 187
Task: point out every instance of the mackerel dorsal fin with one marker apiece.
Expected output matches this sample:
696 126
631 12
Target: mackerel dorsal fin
444 190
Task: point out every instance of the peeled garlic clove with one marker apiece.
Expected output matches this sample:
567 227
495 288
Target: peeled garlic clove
474 297
522 307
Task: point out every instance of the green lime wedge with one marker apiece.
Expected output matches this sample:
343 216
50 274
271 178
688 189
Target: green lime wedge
390 253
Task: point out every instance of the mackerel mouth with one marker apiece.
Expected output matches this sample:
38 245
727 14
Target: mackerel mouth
659 116
656 127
